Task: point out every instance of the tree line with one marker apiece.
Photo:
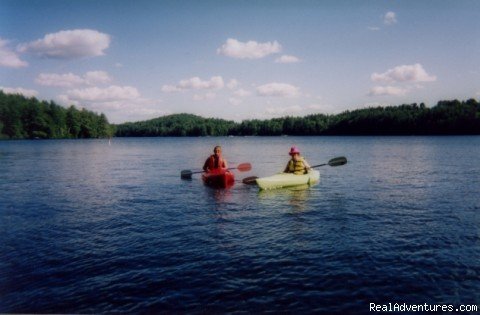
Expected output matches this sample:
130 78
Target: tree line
22 117
177 125
446 118
29 118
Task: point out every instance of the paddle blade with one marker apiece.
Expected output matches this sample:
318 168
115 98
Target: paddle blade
338 161
244 167
186 174
251 180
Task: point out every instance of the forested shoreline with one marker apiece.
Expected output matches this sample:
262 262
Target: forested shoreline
29 118
446 118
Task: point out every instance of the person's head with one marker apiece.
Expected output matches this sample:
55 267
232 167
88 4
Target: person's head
294 152
217 150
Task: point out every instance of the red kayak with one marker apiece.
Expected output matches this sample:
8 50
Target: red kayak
220 178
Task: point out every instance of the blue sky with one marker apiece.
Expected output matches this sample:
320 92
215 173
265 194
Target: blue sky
136 60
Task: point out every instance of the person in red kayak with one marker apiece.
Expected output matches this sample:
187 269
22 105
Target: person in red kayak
215 161
297 164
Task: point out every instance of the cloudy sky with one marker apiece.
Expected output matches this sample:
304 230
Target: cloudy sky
136 60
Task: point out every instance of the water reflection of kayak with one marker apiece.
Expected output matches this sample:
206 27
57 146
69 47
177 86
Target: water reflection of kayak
288 180
285 191
219 178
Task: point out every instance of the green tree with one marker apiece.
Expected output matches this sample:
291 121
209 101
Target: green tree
22 117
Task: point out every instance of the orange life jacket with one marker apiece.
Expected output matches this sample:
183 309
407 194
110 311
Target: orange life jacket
212 163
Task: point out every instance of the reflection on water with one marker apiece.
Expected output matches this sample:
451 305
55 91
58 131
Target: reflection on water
221 196
296 197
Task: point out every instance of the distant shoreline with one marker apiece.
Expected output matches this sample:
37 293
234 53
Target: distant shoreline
446 118
205 137
29 118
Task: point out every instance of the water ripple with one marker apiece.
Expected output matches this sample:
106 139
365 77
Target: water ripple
89 228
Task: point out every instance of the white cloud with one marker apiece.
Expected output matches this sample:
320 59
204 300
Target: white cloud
19 90
315 107
108 94
278 89
120 110
287 59
8 58
249 50
234 101
204 97
69 44
232 84
97 77
373 28
242 93
195 83
323 108
119 103
405 73
170 89
59 80
284 110
390 18
70 80
387 90
65 100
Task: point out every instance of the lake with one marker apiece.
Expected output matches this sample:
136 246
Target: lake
92 226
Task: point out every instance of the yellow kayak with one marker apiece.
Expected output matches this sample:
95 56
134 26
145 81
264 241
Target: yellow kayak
288 180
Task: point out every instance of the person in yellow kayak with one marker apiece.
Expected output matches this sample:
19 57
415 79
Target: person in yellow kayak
297 164
215 161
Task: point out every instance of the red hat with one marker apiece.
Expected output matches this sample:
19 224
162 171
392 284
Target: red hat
294 150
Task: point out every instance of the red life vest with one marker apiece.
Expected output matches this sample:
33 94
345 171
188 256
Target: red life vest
212 163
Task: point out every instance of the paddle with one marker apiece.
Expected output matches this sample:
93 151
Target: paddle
338 161
244 167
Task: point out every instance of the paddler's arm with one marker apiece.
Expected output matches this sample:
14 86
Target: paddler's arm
205 165
307 166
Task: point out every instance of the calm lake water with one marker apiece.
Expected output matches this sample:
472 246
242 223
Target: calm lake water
92 227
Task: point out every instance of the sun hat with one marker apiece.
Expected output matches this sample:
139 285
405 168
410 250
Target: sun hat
294 150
